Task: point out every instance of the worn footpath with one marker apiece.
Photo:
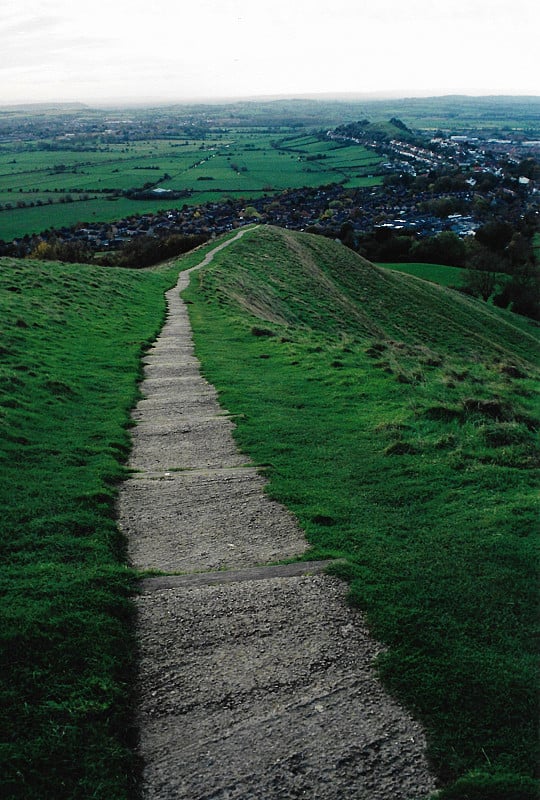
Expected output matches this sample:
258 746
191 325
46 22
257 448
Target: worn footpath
255 682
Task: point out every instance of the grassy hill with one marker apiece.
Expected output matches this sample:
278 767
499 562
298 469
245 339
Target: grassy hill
72 338
396 418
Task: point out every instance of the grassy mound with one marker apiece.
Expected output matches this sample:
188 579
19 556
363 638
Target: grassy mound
72 338
396 418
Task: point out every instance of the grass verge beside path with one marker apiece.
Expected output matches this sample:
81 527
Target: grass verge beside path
72 339
397 420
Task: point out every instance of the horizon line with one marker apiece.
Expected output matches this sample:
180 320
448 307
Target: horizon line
229 99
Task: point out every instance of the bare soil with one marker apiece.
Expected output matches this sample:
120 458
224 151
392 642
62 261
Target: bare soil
255 682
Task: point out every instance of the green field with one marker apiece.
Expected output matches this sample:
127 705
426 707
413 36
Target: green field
536 245
397 420
42 188
437 273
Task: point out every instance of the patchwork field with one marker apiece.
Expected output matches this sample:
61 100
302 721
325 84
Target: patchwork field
42 187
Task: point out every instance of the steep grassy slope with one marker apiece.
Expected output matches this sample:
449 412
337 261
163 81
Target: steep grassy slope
72 338
396 418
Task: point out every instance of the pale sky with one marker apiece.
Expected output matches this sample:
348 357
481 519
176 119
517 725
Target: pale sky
145 50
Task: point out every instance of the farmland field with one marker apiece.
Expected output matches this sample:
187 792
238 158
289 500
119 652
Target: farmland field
437 273
43 187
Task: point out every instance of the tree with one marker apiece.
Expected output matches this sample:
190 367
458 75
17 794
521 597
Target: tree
56 250
44 252
480 283
444 248
522 292
484 268
495 235
519 251
346 235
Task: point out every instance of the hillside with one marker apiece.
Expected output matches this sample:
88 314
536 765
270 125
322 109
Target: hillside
306 282
394 417
72 340
397 420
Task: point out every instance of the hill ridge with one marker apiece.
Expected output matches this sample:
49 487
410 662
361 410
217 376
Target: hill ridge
412 455
384 303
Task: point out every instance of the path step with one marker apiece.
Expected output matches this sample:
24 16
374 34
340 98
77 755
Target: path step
160 582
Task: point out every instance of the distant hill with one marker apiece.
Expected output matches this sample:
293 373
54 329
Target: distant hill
39 109
367 132
455 112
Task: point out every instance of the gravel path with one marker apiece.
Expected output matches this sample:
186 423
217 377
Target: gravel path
254 682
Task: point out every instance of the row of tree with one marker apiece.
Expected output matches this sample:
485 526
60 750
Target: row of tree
144 251
141 251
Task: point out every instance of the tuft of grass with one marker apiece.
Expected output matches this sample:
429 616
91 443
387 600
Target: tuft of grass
424 485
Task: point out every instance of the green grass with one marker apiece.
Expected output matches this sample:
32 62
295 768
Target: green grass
437 273
536 246
20 221
397 420
72 339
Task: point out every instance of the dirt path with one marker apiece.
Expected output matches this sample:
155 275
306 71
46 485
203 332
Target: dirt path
255 682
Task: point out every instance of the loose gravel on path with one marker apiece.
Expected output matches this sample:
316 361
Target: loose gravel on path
253 683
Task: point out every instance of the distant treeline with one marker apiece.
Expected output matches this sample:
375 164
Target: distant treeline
141 251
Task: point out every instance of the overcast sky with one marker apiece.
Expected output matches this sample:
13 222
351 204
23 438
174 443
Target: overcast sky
142 50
